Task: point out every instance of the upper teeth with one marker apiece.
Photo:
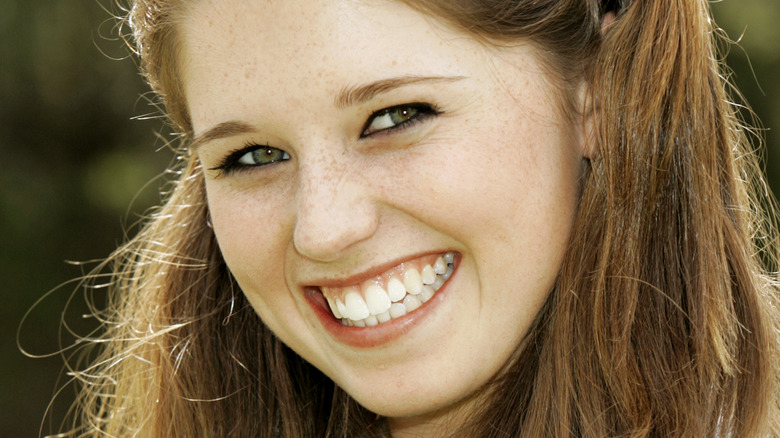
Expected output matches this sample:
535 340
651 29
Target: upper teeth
381 299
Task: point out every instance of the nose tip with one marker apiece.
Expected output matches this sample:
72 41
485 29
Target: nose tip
331 220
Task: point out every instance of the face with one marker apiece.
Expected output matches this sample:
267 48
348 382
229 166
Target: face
362 157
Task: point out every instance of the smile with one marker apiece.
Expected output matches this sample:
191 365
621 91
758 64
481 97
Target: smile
393 294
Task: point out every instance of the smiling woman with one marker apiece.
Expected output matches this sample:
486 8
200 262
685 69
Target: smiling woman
411 163
454 218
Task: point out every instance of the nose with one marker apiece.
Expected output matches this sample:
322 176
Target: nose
334 209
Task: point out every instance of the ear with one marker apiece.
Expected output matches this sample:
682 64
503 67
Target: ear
590 108
588 120
606 21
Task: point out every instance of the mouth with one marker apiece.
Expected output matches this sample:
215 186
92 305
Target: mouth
392 294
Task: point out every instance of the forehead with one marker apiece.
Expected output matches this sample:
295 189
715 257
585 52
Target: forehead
298 28
295 48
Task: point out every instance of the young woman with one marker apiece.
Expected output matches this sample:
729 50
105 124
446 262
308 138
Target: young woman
443 218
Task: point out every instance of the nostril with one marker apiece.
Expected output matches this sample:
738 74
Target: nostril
319 244
334 211
325 235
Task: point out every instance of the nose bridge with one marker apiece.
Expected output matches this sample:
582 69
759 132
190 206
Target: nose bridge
334 210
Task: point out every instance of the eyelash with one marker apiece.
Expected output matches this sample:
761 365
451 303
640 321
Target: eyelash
232 163
423 111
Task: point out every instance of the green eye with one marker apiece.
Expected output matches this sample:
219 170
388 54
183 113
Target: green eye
397 117
251 157
262 156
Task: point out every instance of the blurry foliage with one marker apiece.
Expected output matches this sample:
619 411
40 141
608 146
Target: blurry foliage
75 165
755 63
73 162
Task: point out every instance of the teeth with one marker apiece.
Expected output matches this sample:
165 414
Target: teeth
377 300
356 308
342 308
427 293
334 308
397 310
371 304
411 302
449 257
384 317
437 284
396 290
440 266
412 281
428 276
446 275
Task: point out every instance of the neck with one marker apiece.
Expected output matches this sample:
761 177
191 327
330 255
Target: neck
444 422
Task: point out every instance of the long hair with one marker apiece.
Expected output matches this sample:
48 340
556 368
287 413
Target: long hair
663 320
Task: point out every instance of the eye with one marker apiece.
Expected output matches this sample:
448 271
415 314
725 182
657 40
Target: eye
262 156
250 157
401 116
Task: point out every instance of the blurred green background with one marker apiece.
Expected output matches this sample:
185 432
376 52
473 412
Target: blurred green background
75 168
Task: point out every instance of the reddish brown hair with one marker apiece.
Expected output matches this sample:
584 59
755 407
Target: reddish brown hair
664 319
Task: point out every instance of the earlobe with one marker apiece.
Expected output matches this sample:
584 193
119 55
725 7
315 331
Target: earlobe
606 22
589 111
590 108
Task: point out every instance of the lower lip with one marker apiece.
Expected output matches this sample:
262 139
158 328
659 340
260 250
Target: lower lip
368 337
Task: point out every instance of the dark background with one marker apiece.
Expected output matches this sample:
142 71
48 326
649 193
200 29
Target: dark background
75 168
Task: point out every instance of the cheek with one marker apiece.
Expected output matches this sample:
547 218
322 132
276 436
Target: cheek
508 197
496 184
252 232
254 228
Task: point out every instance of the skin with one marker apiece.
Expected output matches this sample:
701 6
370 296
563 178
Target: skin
494 176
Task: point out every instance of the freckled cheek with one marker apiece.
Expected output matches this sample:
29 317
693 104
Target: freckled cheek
496 188
468 180
251 231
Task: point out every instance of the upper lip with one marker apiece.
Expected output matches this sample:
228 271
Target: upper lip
363 275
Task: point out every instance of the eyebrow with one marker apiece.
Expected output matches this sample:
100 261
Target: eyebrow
363 93
221 130
348 96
